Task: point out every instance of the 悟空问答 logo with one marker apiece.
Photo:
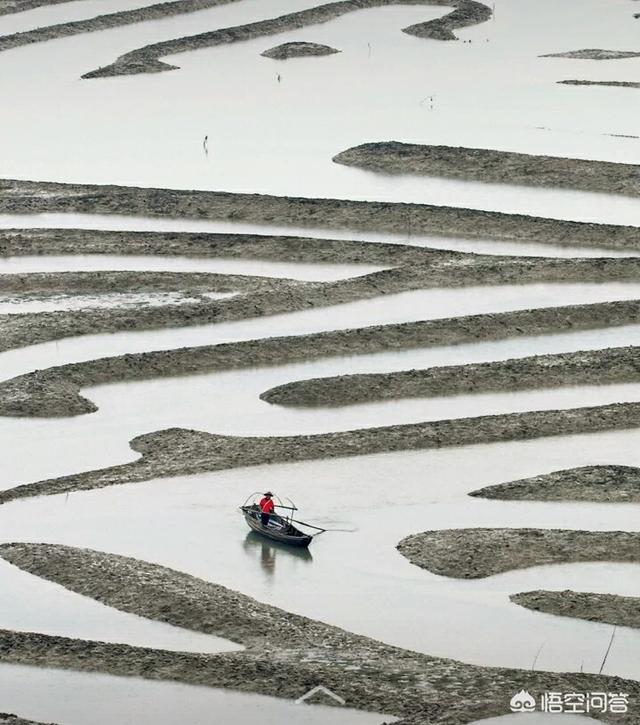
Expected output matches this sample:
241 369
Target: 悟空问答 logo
522 702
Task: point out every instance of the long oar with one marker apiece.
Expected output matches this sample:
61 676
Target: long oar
321 530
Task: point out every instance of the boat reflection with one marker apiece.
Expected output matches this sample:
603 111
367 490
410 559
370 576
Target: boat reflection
256 545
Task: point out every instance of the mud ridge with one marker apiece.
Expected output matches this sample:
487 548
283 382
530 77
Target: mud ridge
177 451
602 484
593 367
147 58
605 608
105 22
38 284
9 7
282 296
594 54
29 197
55 391
491 166
285 654
615 84
478 553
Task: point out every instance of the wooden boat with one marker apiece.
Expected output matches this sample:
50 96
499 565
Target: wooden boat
279 528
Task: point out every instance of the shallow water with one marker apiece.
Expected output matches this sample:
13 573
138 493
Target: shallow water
64 13
128 223
493 92
320 272
415 305
32 604
76 698
192 524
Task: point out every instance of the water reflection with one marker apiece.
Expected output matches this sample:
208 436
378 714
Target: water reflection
266 552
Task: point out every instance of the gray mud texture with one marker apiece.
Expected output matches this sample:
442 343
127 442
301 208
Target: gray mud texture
593 367
147 58
55 391
285 654
478 553
46 284
601 484
595 54
266 297
8 7
177 451
29 197
490 166
605 608
614 84
104 22
298 49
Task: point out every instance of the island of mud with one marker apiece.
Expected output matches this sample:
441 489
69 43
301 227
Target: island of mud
595 54
298 49
490 166
285 654
593 367
594 607
614 84
602 484
478 553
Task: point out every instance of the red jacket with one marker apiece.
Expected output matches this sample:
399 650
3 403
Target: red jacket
266 505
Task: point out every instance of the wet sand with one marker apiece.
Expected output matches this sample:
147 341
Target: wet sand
477 553
285 653
612 484
606 608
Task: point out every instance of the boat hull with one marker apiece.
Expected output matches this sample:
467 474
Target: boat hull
278 530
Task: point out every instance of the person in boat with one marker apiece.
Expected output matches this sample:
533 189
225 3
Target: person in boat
266 507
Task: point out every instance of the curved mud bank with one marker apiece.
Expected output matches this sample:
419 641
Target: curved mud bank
32 242
540 371
298 49
594 607
283 296
491 166
613 84
594 54
285 653
17 6
610 484
478 553
177 451
105 22
147 58
55 391
32 197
